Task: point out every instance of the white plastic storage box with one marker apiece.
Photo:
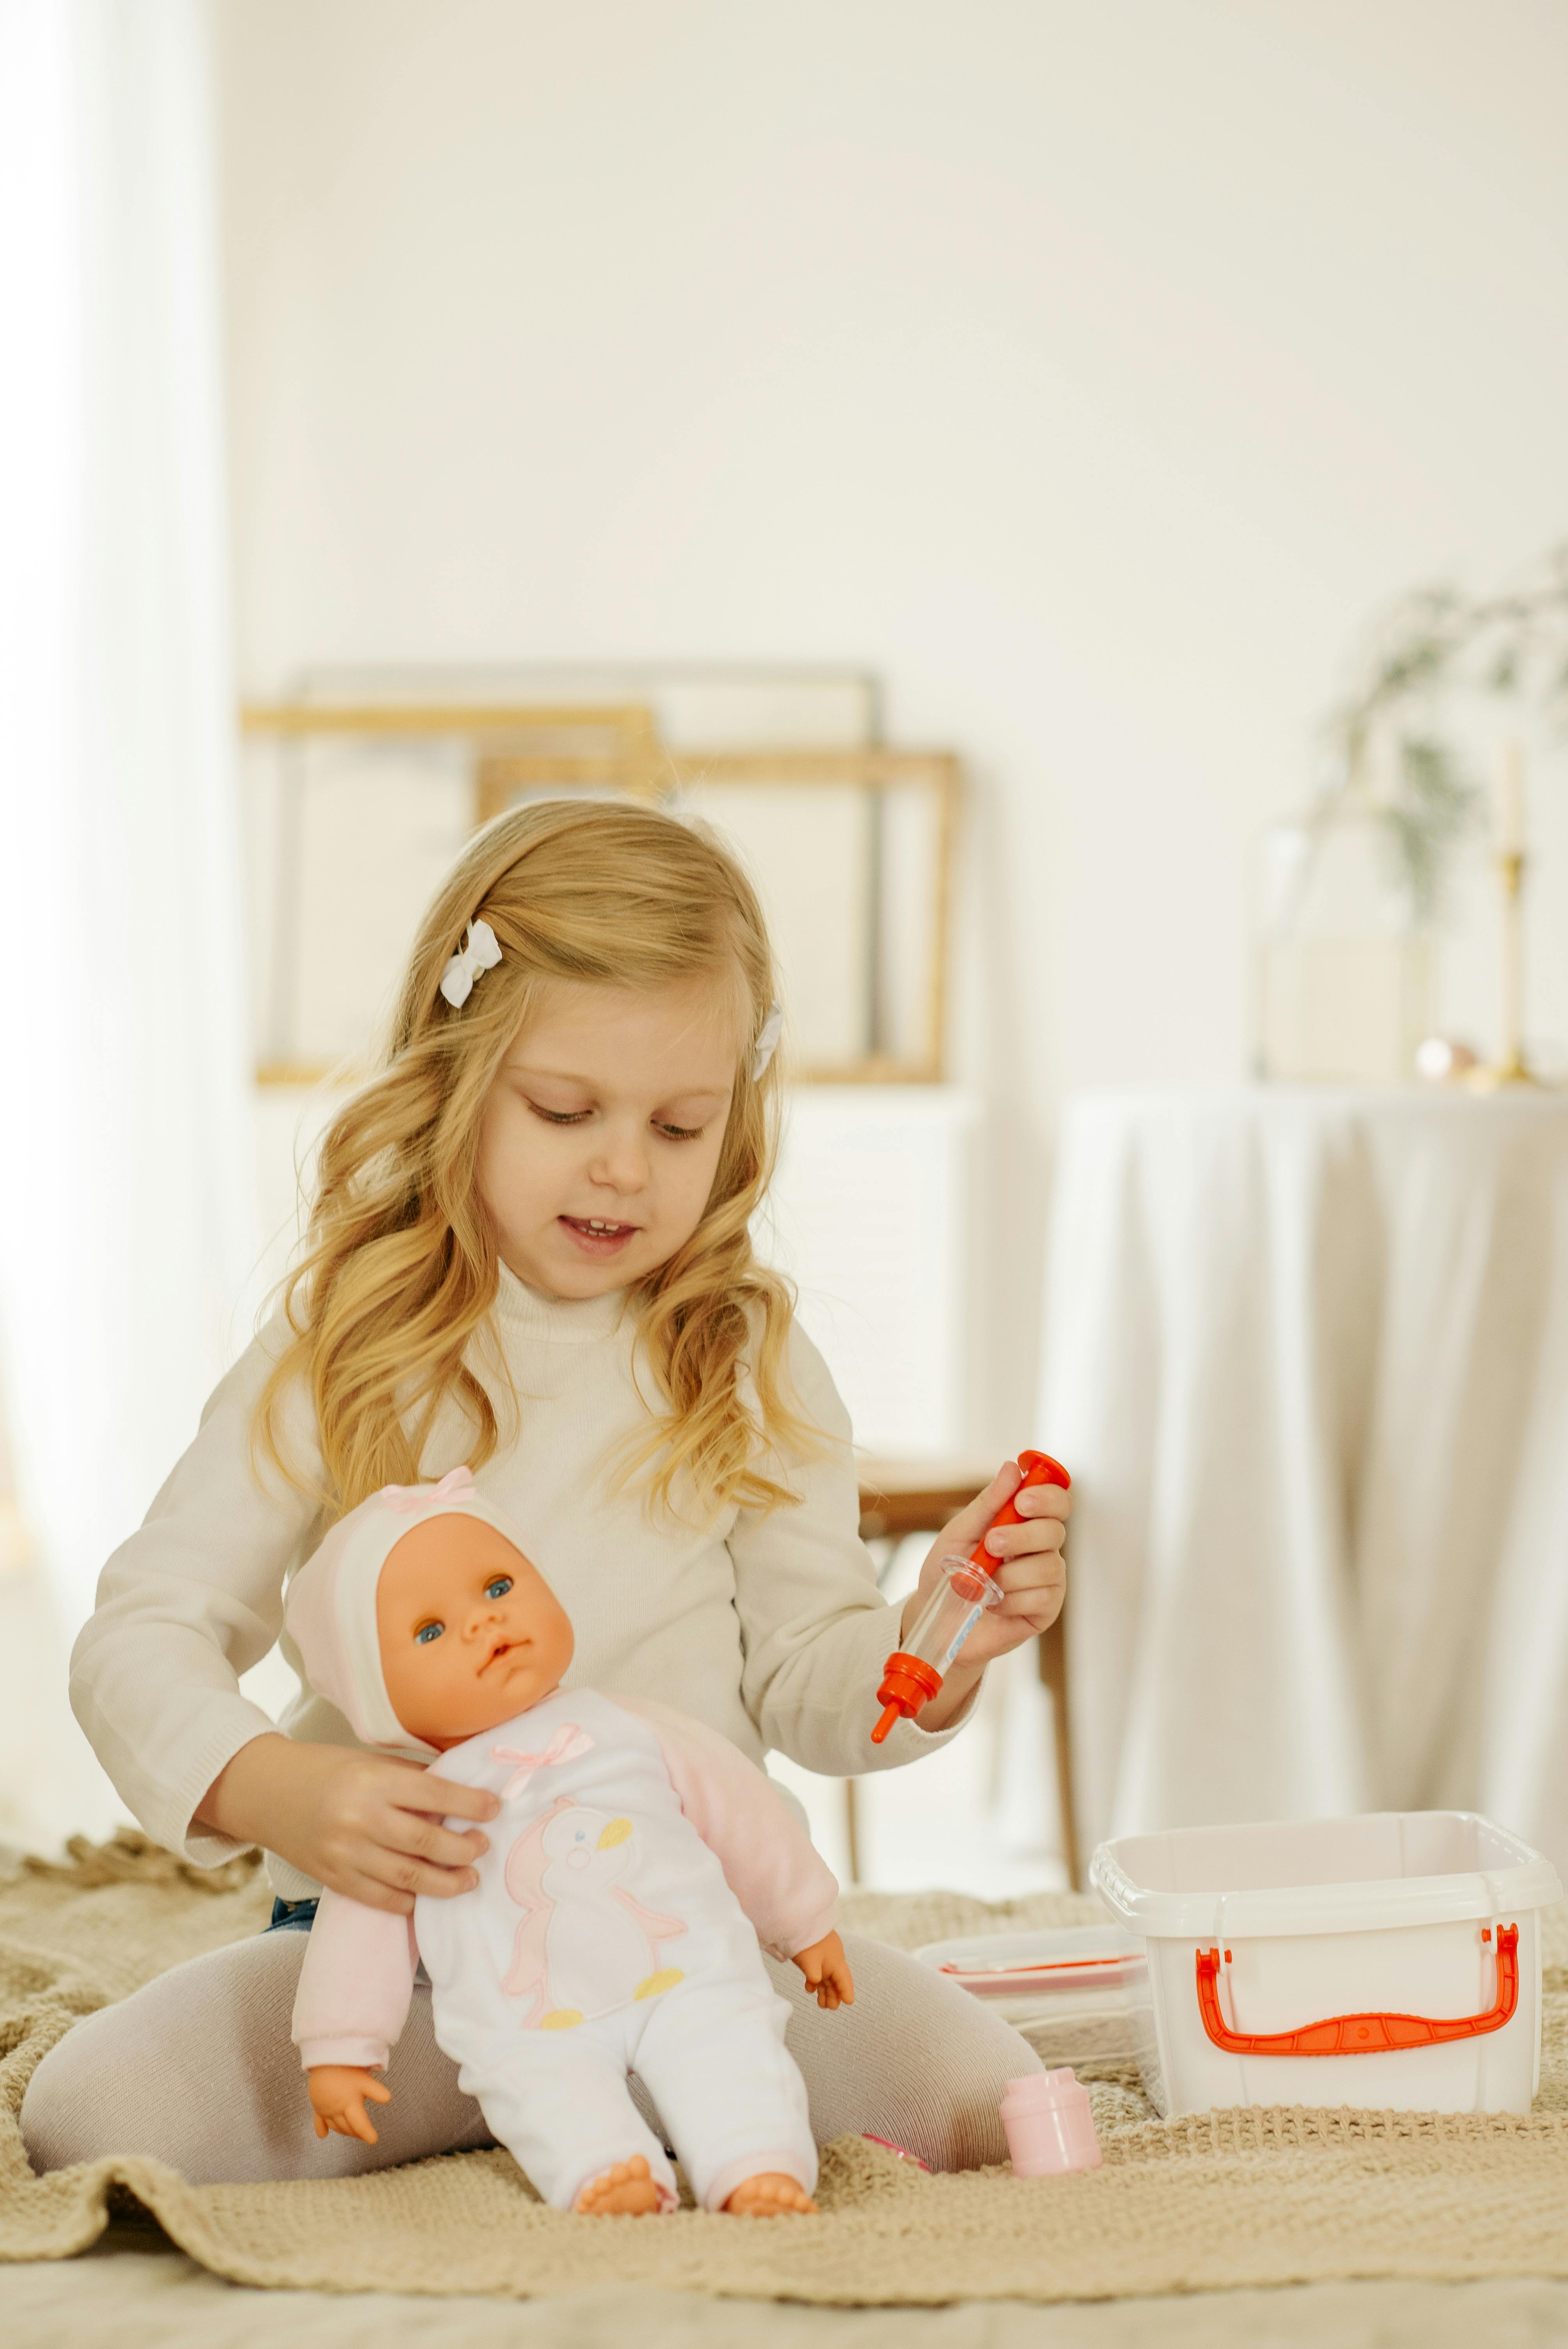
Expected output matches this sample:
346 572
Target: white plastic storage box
1392 1961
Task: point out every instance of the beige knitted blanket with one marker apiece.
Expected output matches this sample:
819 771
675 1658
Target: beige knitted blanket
1226 2200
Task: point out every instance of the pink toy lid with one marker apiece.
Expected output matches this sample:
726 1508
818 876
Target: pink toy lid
903 2151
1043 2092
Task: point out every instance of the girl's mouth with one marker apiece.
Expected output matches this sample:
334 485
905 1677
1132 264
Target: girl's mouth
599 1235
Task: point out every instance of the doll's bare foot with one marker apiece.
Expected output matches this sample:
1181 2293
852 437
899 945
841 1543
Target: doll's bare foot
627 2189
768 2196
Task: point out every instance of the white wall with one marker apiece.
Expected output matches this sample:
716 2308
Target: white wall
1090 372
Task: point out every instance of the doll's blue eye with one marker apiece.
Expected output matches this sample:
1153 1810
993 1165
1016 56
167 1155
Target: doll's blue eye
426 1632
581 1837
498 1588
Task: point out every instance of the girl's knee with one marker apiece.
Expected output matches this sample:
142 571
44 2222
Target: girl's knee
55 2112
915 2059
180 2070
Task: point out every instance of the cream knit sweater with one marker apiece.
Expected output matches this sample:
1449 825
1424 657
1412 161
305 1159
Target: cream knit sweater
770 1628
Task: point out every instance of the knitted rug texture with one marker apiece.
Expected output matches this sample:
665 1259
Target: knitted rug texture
1223 2199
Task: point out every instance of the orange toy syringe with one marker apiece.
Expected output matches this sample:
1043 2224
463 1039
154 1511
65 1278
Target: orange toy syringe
912 1674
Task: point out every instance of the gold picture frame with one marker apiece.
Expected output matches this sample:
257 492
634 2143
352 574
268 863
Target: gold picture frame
903 807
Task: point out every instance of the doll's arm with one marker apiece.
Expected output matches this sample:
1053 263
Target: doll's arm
827 1972
337 2095
788 1891
355 1985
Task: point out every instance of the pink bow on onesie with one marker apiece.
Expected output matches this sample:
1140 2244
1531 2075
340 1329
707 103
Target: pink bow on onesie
568 1742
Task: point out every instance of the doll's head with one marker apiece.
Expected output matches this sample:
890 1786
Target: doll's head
470 1631
423 1620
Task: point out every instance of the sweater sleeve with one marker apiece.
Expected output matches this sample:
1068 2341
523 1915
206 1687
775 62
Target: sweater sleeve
354 1984
815 1628
786 1888
190 1601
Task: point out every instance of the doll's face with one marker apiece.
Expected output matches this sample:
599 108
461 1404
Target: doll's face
470 1632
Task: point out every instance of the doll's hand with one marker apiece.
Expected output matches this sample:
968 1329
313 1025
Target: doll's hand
827 1972
337 2094
1033 1579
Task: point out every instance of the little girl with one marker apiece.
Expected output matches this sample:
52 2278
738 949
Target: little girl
529 1252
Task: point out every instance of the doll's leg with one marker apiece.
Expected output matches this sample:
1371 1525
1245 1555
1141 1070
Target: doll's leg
558 2101
712 2055
914 2060
198 2070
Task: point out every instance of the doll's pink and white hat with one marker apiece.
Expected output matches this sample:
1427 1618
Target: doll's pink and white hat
330 1611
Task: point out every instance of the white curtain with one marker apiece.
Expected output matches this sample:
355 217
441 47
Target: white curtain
126 1227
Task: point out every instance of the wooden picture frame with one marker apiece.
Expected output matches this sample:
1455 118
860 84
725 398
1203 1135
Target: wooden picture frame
887 821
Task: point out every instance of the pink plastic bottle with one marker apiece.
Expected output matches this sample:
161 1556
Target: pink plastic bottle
1049 2124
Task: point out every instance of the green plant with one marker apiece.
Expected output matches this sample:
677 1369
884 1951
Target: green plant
1433 645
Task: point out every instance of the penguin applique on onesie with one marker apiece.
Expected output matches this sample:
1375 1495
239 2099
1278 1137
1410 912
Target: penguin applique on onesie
637 1860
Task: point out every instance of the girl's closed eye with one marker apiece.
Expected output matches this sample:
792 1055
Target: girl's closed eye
662 1125
428 1632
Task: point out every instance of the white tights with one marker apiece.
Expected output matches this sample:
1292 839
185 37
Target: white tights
198 2070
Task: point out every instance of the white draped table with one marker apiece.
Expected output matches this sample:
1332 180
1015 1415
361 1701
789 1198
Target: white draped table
1306 1356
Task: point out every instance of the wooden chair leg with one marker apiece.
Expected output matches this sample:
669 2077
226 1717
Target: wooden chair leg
1054 1673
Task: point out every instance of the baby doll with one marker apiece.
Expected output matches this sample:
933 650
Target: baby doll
609 1931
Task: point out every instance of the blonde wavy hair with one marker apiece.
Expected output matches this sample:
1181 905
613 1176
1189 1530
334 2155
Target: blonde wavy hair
401 1270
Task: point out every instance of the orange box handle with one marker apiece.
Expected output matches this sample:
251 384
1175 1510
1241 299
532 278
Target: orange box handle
1362 2035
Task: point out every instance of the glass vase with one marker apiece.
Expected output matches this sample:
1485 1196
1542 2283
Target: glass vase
1346 973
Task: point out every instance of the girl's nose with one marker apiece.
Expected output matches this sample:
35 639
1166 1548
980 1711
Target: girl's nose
621 1164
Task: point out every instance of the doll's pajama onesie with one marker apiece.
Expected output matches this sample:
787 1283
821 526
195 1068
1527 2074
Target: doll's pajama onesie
636 1861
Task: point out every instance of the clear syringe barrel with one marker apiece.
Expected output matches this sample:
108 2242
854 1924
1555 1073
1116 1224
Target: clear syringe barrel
964 1594
915 1673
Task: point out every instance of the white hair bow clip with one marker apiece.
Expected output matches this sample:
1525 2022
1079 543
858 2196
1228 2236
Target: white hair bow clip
479 952
768 1043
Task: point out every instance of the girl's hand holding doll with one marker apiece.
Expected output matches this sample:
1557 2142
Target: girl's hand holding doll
362 1824
1033 1579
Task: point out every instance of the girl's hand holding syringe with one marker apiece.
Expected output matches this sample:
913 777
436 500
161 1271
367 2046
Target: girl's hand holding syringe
1032 1579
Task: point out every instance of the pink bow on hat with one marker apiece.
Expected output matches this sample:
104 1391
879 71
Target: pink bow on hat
403 1500
567 1744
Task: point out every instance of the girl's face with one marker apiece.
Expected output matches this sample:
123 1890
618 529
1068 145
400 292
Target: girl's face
600 1141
